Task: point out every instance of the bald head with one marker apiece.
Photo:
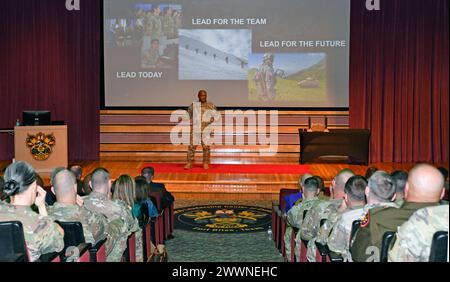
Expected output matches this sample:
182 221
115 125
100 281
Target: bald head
339 183
65 187
425 184
341 178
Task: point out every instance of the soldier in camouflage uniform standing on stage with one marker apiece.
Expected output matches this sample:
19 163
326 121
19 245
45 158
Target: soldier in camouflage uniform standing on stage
414 237
120 220
265 79
69 208
197 113
42 234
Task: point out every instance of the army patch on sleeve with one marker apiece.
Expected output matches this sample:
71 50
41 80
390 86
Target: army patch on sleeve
365 220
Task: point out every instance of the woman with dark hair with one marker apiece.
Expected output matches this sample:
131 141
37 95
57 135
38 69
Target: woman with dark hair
124 194
142 188
42 234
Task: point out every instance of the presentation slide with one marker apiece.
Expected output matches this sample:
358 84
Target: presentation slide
244 53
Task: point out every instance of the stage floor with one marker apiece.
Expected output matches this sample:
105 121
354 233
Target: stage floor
227 186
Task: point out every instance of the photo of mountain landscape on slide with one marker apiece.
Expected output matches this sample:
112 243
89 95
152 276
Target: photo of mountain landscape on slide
287 77
214 54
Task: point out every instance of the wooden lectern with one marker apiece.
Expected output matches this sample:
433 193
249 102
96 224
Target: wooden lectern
43 147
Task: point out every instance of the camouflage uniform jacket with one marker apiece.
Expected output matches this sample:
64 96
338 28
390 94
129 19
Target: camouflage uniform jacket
339 239
168 26
311 223
366 244
120 223
295 214
41 232
154 26
151 57
414 237
93 223
204 107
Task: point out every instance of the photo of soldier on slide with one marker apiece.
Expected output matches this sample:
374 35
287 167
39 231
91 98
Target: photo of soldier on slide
150 30
287 77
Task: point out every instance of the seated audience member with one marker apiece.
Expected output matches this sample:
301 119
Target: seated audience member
355 202
42 234
166 197
78 172
323 210
69 208
125 195
380 191
50 197
294 217
414 237
120 222
369 171
424 188
400 177
291 199
142 197
87 189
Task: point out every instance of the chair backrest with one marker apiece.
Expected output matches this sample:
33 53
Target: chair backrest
439 247
98 252
157 197
73 233
130 252
387 239
143 215
355 226
12 242
284 193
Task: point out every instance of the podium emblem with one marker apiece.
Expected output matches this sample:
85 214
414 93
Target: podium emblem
41 145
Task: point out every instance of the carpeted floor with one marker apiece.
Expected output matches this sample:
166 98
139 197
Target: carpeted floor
188 246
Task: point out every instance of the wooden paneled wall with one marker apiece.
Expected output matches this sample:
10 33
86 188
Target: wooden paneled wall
145 135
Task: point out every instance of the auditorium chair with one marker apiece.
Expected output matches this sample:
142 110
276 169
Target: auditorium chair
159 220
322 250
439 247
385 243
13 247
294 234
74 237
304 245
129 255
145 225
355 226
277 215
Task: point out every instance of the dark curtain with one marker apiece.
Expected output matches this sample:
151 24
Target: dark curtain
399 79
50 60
